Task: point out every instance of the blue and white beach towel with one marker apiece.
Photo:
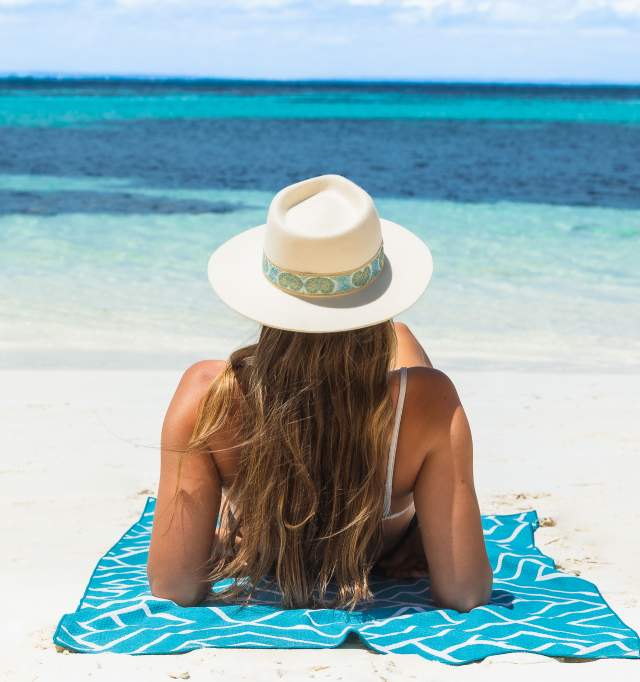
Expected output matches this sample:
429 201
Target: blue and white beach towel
533 608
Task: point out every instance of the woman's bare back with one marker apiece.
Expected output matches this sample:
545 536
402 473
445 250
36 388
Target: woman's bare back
433 475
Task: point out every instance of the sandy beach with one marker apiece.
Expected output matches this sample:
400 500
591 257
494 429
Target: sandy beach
80 456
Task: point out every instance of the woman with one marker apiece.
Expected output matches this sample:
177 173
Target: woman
332 445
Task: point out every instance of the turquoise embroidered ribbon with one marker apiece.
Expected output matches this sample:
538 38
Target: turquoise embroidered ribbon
323 284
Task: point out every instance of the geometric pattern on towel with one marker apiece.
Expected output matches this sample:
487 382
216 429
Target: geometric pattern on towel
534 608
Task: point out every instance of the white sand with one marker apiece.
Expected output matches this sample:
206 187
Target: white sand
79 457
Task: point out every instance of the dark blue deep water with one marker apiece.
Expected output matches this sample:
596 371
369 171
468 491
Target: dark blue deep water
560 145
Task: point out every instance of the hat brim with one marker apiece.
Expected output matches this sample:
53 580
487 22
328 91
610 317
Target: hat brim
235 273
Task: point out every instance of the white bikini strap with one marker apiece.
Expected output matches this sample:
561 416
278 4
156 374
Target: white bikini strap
394 441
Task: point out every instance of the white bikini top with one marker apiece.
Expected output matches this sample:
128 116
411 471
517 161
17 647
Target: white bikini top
386 514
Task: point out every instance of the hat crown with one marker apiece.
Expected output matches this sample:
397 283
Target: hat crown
322 225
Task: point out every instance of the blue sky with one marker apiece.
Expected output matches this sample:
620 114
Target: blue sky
543 40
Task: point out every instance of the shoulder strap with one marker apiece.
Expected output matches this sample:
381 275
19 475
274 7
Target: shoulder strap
394 442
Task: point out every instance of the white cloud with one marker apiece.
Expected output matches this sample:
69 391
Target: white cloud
593 15
515 12
186 4
144 4
17 4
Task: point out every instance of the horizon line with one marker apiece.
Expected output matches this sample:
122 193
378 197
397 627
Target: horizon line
50 75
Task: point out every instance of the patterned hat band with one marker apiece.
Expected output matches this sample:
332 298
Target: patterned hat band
324 284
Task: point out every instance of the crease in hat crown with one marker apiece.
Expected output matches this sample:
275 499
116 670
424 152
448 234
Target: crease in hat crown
322 225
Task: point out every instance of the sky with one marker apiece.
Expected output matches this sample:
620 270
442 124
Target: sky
595 41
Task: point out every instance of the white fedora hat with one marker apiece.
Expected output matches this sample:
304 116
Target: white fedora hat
323 262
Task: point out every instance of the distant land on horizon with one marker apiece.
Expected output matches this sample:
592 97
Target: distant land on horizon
185 78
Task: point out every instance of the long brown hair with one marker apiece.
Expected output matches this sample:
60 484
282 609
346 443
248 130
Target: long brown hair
311 416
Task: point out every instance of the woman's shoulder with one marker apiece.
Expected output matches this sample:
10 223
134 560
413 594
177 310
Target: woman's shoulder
426 383
430 383
198 377
431 399
192 388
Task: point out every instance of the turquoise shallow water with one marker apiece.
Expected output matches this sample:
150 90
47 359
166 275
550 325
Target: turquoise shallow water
69 108
515 285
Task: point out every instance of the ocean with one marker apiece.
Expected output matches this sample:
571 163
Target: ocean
113 193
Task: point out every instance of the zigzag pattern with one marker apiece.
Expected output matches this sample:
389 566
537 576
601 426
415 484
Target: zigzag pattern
533 608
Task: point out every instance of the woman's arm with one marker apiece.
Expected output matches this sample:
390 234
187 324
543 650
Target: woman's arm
445 499
184 527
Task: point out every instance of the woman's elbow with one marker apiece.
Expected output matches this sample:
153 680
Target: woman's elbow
465 603
182 593
465 599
